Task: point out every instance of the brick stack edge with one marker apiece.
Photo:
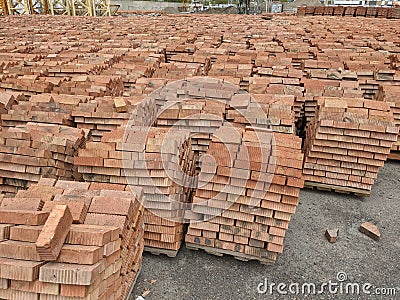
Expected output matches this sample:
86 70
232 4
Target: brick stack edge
74 240
347 143
246 206
135 157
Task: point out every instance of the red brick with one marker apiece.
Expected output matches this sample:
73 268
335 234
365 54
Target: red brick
54 232
78 254
23 217
19 269
78 209
92 235
25 233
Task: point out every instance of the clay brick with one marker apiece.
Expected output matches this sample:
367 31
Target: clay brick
19 250
78 209
23 217
19 269
71 273
77 254
22 204
92 235
54 232
25 233
112 205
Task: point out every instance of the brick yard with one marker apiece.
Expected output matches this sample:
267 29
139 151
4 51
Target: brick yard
116 132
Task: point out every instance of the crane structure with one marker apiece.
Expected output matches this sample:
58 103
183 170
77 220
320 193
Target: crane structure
55 7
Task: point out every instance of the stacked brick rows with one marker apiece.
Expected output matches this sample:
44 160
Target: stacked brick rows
134 156
347 143
93 85
104 114
358 11
390 94
245 209
70 240
42 108
34 150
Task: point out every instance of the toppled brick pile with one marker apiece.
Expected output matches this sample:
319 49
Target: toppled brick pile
104 114
348 142
70 240
30 151
156 159
245 208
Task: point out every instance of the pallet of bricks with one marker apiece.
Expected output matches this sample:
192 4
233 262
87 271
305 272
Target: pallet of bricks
245 199
347 144
70 240
103 114
390 94
393 13
30 151
160 161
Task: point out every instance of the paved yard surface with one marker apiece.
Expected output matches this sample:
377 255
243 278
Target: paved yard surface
308 257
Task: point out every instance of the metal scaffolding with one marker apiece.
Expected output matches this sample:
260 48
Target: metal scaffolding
56 7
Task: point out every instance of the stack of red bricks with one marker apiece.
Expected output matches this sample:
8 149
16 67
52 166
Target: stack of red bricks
371 12
339 10
203 60
347 143
278 77
104 114
86 62
30 84
65 239
350 11
245 199
178 70
390 94
7 100
91 85
271 110
319 10
160 161
134 65
147 85
30 151
43 108
393 13
200 116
